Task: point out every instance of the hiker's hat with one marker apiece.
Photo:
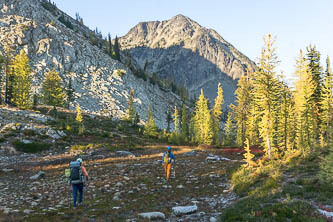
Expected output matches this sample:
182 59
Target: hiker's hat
169 148
79 160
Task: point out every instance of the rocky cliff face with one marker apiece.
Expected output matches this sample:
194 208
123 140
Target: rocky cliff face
189 53
101 85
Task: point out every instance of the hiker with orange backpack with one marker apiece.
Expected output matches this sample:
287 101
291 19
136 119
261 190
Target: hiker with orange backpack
168 159
77 178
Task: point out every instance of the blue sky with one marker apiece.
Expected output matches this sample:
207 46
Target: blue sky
243 23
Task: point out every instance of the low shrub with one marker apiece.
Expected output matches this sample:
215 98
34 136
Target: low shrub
263 210
33 147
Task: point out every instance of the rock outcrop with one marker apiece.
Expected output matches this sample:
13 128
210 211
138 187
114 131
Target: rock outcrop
101 85
182 50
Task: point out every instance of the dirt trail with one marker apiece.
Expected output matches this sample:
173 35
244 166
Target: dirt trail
120 187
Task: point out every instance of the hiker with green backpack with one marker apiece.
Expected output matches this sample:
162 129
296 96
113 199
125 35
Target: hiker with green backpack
77 176
168 159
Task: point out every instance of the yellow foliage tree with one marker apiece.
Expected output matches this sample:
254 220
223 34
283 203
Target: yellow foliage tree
217 113
21 82
248 156
305 113
53 92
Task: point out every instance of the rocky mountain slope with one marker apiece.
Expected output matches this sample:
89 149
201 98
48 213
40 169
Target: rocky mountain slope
101 85
183 50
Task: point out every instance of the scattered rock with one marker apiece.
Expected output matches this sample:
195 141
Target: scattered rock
216 158
26 141
212 219
55 134
26 211
180 187
152 215
7 170
182 210
191 153
119 184
125 153
326 213
39 175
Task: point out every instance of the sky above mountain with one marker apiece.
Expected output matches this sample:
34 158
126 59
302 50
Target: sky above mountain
296 24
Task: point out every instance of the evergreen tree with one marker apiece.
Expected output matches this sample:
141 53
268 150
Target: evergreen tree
110 45
203 126
53 92
176 121
79 120
21 84
150 128
145 66
228 133
313 59
305 88
286 119
7 69
2 60
131 114
69 92
242 109
266 93
78 117
184 123
217 114
248 156
168 119
116 49
327 105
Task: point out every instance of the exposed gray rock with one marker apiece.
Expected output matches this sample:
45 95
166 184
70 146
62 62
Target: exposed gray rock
212 219
152 215
26 141
125 153
27 211
190 53
191 153
181 210
216 158
37 176
7 170
98 86
55 134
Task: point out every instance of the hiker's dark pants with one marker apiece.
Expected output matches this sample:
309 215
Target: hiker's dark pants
75 188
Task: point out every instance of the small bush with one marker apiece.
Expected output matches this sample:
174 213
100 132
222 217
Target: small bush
49 6
33 147
64 21
119 72
261 210
2 139
84 148
29 133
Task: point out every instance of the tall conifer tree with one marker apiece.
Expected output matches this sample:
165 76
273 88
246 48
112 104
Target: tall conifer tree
313 59
266 93
184 123
305 88
327 105
242 108
53 93
217 114
116 49
203 126
21 84
150 128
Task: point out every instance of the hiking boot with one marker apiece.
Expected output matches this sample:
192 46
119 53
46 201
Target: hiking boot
79 204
